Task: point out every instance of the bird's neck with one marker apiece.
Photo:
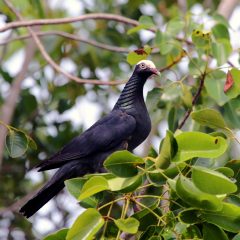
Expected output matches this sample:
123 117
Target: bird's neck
132 93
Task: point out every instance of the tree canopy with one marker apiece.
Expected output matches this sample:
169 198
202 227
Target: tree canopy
59 57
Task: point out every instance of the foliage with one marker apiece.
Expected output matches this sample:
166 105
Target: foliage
187 187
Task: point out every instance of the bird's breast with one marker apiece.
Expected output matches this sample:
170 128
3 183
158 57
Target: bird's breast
143 128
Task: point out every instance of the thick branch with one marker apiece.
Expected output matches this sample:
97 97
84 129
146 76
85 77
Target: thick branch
104 16
226 7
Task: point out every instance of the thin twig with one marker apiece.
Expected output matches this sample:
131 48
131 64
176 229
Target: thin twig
194 101
37 22
75 38
52 62
72 37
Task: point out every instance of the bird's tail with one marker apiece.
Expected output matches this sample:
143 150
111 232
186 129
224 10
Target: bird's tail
52 187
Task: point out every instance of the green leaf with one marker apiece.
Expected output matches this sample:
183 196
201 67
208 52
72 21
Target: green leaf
212 182
212 232
220 31
123 163
16 143
234 90
186 96
236 237
59 235
74 187
197 144
172 119
158 176
86 225
228 218
209 117
167 152
174 26
129 225
228 172
235 166
189 216
189 193
221 50
214 84
94 185
125 184
201 39
145 22
164 42
133 57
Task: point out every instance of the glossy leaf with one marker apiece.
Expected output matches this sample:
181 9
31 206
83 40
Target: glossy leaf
197 144
74 187
228 172
211 181
214 84
212 232
227 218
209 117
94 185
220 31
129 225
159 176
16 143
125 184
59 235
189 193
86 225
168 150
123 163
189 216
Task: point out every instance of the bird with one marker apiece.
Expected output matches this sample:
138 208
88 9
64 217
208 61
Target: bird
124 128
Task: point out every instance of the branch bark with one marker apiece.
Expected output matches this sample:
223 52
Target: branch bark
226 7
8 108
48 58
37 22
194 101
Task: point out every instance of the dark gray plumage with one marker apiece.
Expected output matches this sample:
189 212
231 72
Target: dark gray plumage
125 127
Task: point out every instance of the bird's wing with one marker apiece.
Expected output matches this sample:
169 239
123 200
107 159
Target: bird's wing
107 133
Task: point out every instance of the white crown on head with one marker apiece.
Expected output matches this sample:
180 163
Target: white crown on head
149 63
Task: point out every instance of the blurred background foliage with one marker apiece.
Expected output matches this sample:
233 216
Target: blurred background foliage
52 109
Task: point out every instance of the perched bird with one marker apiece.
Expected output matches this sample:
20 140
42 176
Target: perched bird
125 127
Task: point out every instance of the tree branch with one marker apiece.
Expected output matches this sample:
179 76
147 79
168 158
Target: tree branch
8 108
51 62
226 7
37 22
194 101
72 37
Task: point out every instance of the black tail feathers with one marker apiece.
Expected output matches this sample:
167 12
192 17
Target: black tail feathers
52 188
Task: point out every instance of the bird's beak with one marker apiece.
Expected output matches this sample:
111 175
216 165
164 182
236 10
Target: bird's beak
155 71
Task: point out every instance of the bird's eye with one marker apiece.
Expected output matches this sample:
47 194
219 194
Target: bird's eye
142 66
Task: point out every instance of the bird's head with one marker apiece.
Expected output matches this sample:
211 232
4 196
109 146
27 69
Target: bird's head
146 68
